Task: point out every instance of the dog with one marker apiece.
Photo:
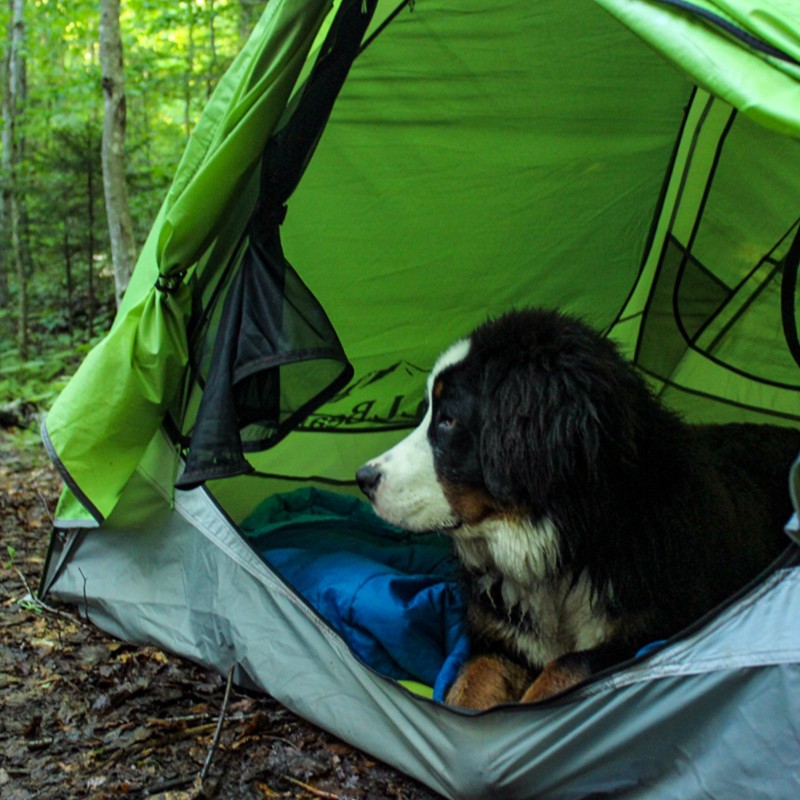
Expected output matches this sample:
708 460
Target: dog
589 519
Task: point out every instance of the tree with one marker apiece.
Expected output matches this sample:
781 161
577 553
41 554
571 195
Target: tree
13 104
58 259
120 224
4 156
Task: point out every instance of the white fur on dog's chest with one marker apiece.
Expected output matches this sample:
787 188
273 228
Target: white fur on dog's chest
563 615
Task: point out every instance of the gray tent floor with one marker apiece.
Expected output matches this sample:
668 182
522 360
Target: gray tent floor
676 723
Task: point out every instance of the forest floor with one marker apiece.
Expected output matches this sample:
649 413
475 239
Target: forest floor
88 716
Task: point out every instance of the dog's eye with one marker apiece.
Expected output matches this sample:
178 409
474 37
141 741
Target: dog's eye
445 423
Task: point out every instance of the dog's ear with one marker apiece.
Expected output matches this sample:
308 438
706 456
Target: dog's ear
541 429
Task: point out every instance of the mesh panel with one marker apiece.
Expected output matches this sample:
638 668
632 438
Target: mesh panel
276 356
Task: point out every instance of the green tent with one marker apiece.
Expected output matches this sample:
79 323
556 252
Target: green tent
370 180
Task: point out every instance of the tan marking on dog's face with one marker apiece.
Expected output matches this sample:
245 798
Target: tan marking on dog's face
438 389
471 505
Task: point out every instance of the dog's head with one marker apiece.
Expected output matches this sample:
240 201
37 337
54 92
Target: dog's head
518 412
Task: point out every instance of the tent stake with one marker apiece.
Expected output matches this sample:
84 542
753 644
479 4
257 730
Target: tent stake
218 732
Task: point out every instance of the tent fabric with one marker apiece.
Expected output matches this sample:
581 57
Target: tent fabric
137 369
673 724
477 157
270 320
571 177
259 383
101 422
705 318
693 35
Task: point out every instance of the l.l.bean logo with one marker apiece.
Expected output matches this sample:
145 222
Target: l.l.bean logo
388 398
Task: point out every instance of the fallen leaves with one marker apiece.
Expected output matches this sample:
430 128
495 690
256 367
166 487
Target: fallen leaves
88 716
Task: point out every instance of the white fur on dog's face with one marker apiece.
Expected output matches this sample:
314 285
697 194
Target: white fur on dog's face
409 494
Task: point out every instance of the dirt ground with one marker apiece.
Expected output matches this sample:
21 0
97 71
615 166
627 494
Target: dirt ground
87 716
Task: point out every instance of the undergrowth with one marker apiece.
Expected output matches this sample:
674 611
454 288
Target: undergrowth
56 347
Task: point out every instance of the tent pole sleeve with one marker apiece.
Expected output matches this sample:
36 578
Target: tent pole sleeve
788 297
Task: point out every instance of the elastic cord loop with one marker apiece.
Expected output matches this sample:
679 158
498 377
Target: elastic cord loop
169 284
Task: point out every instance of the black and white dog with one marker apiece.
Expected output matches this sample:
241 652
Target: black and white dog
589 519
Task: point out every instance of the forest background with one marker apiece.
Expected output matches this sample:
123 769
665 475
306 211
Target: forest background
62 93
99 98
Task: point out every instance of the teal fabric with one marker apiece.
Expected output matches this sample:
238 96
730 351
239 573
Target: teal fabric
392 595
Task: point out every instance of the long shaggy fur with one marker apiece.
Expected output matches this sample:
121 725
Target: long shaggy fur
590 519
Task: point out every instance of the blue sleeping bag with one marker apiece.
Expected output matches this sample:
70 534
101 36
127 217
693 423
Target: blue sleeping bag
392 595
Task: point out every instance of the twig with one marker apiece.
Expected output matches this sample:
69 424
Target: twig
47 681
36 601
249 737
24 581
152 744
40 604
218 732
46 507
85 599
171 722
173 783
311 789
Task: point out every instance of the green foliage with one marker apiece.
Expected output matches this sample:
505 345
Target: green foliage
174 54
58 353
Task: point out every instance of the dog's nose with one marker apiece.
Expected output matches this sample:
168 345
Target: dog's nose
368 478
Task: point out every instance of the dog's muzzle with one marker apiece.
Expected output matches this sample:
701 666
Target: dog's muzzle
368 478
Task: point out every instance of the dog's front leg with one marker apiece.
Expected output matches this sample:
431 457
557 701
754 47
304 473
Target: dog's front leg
556 677
571 669
488 680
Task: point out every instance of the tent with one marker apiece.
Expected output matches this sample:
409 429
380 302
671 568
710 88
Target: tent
371 179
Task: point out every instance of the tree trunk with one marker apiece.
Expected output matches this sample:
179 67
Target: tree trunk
90 166
70 298
12 111
188 86
120 225
5 155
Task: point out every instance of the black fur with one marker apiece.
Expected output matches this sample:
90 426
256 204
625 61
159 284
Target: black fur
544 418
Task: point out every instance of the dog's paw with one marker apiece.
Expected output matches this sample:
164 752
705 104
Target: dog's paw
486 681
556 677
